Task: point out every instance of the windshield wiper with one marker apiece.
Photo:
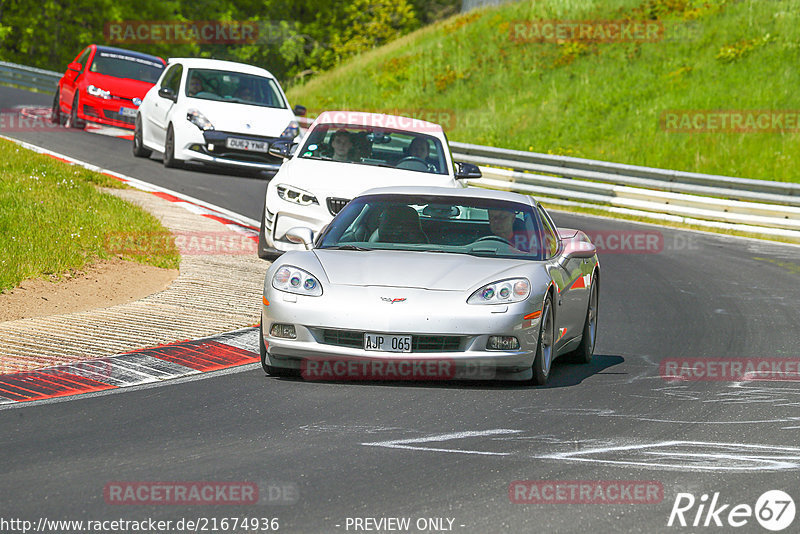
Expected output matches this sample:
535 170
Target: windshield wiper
347 247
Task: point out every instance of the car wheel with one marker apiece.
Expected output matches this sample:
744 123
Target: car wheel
585 351
270 370
74 121
55 113
169 150
544 350
139 150
264 252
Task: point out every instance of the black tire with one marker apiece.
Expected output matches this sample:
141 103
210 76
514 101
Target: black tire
270 370
264 252
139 151
74 121
545 349
55 112
169 151
585 351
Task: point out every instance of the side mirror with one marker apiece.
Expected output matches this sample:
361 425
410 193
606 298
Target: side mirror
169 94
467 171
300 111
281 149
300 235
75 66
578 246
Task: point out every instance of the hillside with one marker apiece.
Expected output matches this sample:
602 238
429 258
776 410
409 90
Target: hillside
488 80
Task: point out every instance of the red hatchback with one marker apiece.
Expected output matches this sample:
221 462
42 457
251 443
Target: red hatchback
105 85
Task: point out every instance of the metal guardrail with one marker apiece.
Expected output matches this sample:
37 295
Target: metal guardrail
30 77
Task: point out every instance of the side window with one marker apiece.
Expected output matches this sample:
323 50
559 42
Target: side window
83 59
172 79
550 239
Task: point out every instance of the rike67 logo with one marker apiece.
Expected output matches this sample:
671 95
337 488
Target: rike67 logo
774 510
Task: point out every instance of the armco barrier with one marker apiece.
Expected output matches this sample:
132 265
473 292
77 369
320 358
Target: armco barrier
30 77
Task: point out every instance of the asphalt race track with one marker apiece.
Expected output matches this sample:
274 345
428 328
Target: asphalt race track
325 452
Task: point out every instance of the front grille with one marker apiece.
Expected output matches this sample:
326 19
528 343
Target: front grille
113 115
343 338
349 338
335 205
435 343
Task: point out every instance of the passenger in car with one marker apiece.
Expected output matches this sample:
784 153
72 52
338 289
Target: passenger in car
342 145
419 148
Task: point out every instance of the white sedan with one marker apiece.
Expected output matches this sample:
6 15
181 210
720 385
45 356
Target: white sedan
343 154
215 112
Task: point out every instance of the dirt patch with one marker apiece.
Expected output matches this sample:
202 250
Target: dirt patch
101 285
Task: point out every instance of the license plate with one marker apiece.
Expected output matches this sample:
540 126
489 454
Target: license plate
246 144
127 112
387 343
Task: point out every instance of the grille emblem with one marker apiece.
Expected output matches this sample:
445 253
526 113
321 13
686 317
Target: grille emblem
392 301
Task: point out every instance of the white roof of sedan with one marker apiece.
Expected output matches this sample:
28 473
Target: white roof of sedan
468 192
378 120
219 64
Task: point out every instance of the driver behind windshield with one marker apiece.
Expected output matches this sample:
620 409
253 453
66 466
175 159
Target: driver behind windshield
419 148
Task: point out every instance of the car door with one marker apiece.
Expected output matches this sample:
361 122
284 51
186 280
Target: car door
570 301
72 78
159 116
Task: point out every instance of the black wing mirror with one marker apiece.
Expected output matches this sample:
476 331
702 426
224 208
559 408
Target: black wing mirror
166 92
467 171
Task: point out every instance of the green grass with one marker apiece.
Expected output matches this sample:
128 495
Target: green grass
53 219
595 100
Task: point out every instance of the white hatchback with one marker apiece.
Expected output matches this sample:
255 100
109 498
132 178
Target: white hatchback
215 112
342 154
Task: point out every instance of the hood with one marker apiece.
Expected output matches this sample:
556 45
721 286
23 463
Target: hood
347 180
121 87
243 118
425 270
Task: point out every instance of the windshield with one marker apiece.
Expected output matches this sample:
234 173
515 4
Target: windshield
236 87
479 227
380 147
124 66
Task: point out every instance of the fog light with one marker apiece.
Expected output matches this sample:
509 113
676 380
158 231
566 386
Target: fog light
502 343
283 330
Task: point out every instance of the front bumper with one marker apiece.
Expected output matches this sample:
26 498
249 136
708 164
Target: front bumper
107 111
426 314
210 147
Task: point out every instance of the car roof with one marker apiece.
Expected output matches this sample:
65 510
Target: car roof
381 120
133 53
469 192
205 63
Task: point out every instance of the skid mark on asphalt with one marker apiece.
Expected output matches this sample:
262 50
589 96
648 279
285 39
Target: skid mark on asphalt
662 455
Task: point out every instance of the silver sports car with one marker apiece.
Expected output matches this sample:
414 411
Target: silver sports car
431 283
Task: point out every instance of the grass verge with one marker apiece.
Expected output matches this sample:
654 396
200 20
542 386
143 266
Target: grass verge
487 81
54 219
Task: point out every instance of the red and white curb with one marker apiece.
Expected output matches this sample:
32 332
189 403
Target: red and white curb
232 220
142 366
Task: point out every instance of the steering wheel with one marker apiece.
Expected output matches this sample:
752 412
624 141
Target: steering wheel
493 238
412 159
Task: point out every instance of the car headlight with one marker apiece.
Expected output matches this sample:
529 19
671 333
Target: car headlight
199 120
291 131
502 292
100 93
294 280
298 196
